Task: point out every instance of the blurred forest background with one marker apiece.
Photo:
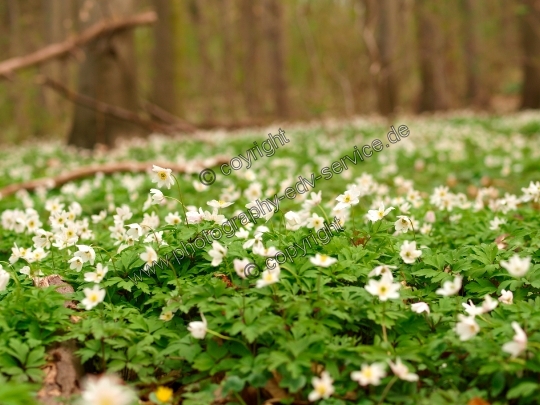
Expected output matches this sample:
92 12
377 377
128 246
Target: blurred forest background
90 71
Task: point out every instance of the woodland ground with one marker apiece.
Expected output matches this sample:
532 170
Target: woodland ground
332 324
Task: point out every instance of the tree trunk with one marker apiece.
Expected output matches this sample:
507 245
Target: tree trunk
380 37
249 31
56 15
530 41
228 57
433 92
471 53
277 53
164 94
200 13
107 74
14 50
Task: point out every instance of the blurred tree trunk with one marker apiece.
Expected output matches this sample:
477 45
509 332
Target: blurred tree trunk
530 41
17 95
277 56
228 56
163 92
249 31
57 13
200 10
380 37
433 92
471 53
107 74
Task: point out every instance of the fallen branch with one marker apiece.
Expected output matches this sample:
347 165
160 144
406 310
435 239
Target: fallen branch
60 49
109 168
112 110
175 122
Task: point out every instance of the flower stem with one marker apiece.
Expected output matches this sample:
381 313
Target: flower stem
387 389
414 232
180 197
219 335
324 213
385 337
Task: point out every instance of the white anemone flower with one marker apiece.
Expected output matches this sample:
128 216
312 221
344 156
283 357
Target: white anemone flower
268 277
347 199
507 297
4 279
516 266
149 257
489 304
402 371
378 214
382 270
322 260
217 253
219 203
240 267
322 387
403 224
76 263
467 327
385 288
369 374
198 329
409 253
472 309
106 390
163 177
518 343
157 196
93 296
420 307
96 276
86 253
450 287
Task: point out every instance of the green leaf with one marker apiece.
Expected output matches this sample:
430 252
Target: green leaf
523 389
233 383
204 362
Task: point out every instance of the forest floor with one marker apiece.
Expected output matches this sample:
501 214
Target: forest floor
343 262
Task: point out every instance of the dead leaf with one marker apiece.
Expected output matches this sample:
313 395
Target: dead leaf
478 401
62 374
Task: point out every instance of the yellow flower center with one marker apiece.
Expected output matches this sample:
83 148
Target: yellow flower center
162 175
321 390
164 394
106 401
94 298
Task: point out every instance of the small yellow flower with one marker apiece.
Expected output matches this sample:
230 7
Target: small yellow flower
164 394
